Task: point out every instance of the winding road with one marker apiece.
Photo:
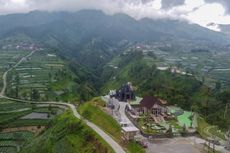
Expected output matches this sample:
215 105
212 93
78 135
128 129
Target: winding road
115 146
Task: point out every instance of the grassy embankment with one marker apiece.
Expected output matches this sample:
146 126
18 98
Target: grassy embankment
93 111
66 134
208 131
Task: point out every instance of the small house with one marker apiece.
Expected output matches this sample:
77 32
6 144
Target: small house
129 132
153 105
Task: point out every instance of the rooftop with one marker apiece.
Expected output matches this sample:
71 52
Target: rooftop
130 129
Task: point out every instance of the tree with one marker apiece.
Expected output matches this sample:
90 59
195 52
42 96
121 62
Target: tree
35 94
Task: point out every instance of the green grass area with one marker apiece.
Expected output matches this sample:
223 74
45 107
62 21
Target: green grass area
133 147
202 125
66 135
206 130
28 122
217 132
185 119
91 110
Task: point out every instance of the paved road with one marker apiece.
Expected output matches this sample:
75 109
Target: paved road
116 147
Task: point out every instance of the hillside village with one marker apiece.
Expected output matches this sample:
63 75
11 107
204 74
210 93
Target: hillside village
101 81
147 118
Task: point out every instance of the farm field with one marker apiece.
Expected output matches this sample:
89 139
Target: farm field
11 142
6 106
14 114
41 77
214 66
8 59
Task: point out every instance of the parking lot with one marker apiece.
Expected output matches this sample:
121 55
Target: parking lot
175 145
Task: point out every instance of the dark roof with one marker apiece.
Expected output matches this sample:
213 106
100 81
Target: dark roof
149 101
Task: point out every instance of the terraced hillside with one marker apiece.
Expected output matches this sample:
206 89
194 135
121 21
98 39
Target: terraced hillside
42 76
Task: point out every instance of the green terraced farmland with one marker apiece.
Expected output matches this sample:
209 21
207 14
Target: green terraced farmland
8 59
6 106
11 142
23 135
8 149
42 76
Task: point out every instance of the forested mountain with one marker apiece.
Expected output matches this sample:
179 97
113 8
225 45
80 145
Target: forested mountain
90 40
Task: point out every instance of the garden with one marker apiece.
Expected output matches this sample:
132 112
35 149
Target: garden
179 122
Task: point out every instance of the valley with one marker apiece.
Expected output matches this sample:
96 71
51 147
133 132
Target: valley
57 73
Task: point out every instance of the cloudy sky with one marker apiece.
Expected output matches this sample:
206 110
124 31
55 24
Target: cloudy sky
203 12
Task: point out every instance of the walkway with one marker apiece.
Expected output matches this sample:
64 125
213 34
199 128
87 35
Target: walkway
123 115
115 146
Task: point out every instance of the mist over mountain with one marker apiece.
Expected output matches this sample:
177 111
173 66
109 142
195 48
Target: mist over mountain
225 28
88 24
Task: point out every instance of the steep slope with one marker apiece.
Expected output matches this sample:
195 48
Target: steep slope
181 90
67 134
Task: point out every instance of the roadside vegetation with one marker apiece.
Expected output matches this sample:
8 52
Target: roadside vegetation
66 134
94 111
185 91
208 131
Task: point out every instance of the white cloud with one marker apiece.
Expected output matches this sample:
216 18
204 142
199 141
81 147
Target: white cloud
201 12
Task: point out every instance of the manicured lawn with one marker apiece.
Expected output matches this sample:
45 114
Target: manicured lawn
184 119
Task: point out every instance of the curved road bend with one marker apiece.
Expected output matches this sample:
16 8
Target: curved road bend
116 147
